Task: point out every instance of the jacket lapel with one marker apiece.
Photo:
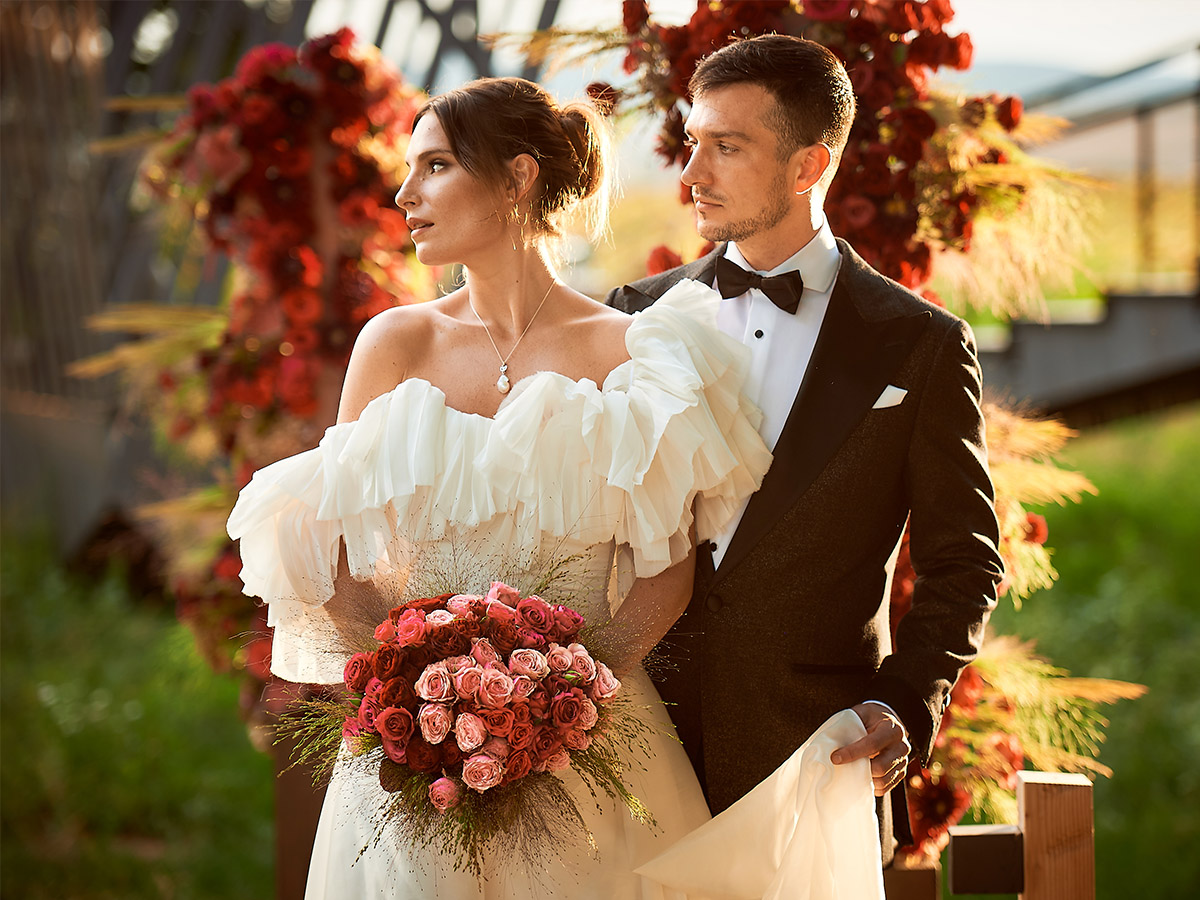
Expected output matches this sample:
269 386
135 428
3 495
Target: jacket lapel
852 361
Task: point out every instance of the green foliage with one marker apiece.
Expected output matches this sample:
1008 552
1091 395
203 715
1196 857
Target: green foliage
127 772
1125 607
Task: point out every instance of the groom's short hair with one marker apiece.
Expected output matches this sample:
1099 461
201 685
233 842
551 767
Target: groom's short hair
814 100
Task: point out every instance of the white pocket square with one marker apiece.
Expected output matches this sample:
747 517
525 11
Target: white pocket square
891 396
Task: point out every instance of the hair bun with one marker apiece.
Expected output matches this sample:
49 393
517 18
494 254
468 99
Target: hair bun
582 124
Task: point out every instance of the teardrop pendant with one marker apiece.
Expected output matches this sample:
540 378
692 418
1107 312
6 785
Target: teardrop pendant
502 384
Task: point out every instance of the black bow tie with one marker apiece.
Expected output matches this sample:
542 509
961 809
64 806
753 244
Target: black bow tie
782 290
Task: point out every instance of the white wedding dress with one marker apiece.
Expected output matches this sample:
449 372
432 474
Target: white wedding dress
610 474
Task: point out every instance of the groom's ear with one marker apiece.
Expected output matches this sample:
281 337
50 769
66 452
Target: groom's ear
809 164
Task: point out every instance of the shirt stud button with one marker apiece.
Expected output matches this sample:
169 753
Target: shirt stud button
759 333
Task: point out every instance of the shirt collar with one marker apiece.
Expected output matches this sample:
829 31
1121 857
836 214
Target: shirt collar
817 261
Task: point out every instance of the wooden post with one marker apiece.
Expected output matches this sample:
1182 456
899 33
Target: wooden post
1055 817
915 880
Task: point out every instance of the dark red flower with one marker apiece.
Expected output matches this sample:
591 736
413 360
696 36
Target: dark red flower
1009 111
634 15
661 259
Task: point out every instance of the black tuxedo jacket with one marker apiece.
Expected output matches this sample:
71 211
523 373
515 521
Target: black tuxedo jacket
793 625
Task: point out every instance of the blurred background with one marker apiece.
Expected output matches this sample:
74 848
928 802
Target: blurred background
129 769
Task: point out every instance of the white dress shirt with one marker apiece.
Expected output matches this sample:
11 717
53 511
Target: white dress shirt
781 343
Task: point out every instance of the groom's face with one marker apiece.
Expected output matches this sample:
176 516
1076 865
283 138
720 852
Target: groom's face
740 187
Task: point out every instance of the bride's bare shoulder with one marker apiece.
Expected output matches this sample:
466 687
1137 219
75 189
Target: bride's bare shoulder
389 347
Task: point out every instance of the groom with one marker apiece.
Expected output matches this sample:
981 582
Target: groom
870 401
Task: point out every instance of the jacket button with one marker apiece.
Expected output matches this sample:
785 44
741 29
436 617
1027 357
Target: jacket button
714 603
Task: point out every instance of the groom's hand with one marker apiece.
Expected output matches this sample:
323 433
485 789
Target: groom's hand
886 745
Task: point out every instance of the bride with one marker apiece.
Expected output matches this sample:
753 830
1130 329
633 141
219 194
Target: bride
516 418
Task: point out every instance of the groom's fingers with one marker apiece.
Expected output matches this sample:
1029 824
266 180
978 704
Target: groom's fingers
885 744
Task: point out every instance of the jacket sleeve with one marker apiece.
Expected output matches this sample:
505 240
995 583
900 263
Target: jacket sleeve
953 541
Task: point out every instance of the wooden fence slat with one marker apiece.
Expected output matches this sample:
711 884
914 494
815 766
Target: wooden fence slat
1055 817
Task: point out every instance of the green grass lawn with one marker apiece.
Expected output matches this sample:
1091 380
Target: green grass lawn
126 770
1127 606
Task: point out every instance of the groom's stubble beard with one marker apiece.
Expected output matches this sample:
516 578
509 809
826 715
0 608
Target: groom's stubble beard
770 216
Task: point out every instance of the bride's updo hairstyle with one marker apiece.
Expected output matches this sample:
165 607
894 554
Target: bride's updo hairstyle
491 121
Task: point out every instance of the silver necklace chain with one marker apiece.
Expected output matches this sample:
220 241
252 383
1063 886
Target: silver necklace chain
503 385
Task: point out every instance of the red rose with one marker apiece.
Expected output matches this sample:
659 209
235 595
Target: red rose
498 721
395 752
359 670
520 736
428 604
395 724
448 640
422 756
535 613
518 765
451 754
388 660
399 692
545 742
504 636
530 639
567 708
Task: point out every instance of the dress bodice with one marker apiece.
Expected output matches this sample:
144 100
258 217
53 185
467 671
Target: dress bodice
610 474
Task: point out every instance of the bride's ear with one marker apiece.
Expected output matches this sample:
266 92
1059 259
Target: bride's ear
523 173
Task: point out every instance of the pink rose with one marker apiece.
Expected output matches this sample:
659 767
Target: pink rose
435 720
456 664
501 612
351 729
503 593
368 711
558 761
374 688
531 639
495 688
394 751
582 663
559 658
466 682
590 715
395 724
483 652
531 663
518 765
535 613
470 732
605 687
444 794
481 772
496 748
435 684
576 739
520 736
410 628
523 687
439 617
385 631
460 604
358 672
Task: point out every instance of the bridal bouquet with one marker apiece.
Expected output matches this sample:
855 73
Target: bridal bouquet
464 709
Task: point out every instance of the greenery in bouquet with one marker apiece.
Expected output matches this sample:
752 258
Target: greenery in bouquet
288 169
462 711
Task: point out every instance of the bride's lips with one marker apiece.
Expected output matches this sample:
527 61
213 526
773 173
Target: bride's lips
417 226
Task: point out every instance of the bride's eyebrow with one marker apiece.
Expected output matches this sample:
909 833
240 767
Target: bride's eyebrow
436 151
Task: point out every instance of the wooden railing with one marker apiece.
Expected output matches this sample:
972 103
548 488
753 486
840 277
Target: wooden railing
1049 854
